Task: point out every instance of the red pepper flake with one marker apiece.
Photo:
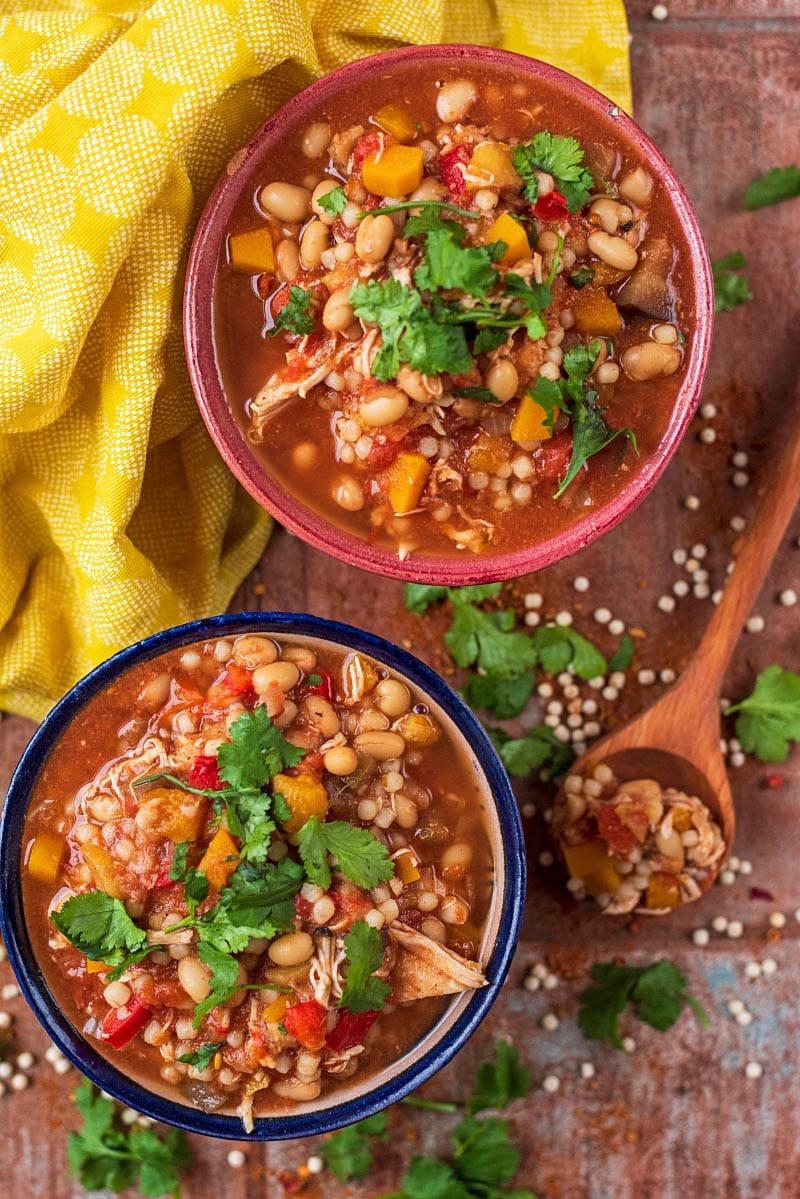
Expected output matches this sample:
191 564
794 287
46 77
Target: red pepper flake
760 893
552 207
292 1184
774 781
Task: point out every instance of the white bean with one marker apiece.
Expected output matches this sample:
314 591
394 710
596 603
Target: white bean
613 250
286 201
383 406
315 139
454 100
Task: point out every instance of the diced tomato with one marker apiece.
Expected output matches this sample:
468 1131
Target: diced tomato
413 917
450 174
614 832
352 904
237 680
303 908
370 143
122 1024
205 773
552 207
279 301
383 453
313 763
327 688
351 1029
557 453
308 1022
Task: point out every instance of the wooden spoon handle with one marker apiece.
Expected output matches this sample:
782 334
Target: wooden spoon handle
758 548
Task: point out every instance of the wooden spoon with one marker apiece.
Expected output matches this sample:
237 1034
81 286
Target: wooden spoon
677 741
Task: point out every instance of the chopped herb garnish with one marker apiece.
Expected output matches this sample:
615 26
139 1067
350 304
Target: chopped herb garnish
581 278
314 680
409 332
505 698
99 927
558 648
561 157
451 266
730 287
359 856
780 183
224 976
348 1153
538 750
769 719
657 993
201 1058
364 950
195 882
499 1082
623 655
294 317
333 202
105 1155
483 394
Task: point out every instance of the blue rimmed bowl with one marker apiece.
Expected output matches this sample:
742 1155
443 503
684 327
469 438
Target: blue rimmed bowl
463 1013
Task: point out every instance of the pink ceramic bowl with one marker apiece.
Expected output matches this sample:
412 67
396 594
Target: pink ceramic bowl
253 163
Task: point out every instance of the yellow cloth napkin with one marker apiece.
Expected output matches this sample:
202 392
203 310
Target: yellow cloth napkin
117 517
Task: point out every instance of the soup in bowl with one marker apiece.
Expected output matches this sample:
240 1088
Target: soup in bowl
448 314
267 875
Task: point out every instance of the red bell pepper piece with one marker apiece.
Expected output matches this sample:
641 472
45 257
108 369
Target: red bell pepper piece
557 455
450 174
237 680
614 832
308 1022
205 773
327 688
122 1024
351 1029
370 143
552 207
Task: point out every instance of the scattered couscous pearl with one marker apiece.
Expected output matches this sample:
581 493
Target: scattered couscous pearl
752 970
550 1021
745 867
692 565
646 677
25 1060
680 587
744 1018
701 936
666 603
591 729
788 598
51 1054
701 576
5 1021
737 758
531 983
719 924
315 1164
740 478
754 1069
529 809
19 1082
564 618
707 436
550 981
739 459
129 1116
735 929
581 583
679 557
532 619
616 627
589 707
62 1066
668 675
9 991
727 877
735 1006
236 1159
701 590
699 551
551 1084
552 721
144 1122
610 693
533 599
617 679
6 1070
561 733
769 966
716 597
545 690
540 971
738 524
692 503
708 411
659 12
755 624
734 863
628 1044
777 920
602 615
555 707
546 858
587 1070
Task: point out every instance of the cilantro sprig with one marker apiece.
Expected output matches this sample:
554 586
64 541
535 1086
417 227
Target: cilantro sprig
561 157
295 317
658 994
201 1058
364 951
348 1153
769 719
731 286
99 927
359 856
775 185
104 1155
333 202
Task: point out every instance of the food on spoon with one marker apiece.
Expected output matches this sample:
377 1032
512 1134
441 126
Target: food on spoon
635 845
256 867
456 259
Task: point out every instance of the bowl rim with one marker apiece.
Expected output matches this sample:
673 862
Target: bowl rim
304 521
98 1068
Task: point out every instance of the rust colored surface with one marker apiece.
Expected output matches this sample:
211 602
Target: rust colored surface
717 86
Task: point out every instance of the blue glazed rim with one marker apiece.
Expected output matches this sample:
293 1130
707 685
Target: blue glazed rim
97 1068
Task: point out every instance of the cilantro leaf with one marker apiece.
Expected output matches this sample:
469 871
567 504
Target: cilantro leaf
418 597
547 395
623 655
195 882
361 858
294 317
348 1153
489 339
104 1155
591 433
201 1058
258 902
224 975
429 221
499 1082
779 183
99 927
506 698
409 332
484 1156
428 1178
770 718
539 749
657 992
486 639
362 991
333 202
581 278
451 266
256 752
561 157
476 393
557 647
475 594
730 289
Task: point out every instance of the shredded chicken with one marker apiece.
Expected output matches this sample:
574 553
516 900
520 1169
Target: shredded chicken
325 972
148 757
277 391
424 968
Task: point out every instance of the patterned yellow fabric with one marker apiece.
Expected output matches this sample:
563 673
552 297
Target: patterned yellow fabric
117 516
